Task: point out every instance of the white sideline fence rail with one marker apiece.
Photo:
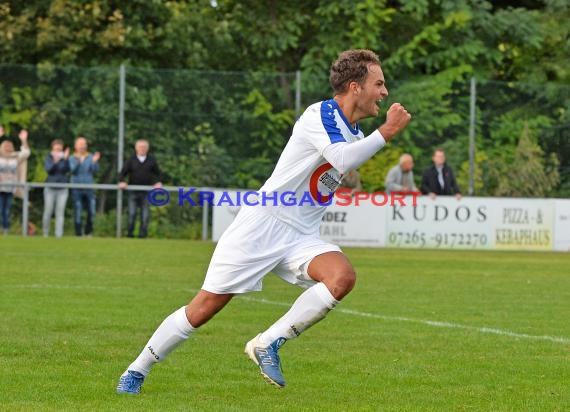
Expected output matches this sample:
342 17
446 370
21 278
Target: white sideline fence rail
112 187
445 223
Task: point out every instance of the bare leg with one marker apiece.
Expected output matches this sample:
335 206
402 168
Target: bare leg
204 306
335 271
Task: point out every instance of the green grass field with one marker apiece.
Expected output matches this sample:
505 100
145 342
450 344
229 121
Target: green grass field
423 330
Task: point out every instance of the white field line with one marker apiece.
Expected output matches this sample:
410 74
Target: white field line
58 286
434 323
438 324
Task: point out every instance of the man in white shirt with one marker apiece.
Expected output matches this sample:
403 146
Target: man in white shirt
325 144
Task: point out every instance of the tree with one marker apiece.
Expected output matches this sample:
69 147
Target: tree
234 59
525 172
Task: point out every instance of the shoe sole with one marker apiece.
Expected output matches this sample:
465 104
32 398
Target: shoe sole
249 351
127 393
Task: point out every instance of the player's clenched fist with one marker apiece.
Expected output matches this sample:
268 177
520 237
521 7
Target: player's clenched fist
397 118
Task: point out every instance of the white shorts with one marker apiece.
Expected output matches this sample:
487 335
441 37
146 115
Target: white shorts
257 243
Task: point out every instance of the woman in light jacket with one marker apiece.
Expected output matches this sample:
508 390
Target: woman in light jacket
12 170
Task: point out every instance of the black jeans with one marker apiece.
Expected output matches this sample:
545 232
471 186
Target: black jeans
138 200
5 205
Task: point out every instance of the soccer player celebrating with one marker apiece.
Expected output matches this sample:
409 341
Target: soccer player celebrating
325 144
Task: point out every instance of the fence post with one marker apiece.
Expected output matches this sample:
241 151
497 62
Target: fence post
121 144
25 210
205 211
297 94
472 114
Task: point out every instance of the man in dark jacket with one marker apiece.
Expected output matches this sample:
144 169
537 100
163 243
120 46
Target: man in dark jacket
142 170
438 179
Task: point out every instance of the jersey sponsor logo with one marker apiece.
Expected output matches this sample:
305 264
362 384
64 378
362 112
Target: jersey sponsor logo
324 181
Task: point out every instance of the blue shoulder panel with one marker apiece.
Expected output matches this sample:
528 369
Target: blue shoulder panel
329 122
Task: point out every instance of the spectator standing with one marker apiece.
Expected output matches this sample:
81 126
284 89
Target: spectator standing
400 178
142 170
83 165
13 166
438 179
56 164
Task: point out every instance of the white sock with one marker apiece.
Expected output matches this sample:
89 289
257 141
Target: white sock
308 309
174 330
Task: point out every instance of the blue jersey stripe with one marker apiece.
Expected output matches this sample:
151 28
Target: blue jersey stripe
329 122
351 129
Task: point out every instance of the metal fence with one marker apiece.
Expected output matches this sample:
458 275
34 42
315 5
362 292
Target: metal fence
226 129
203 207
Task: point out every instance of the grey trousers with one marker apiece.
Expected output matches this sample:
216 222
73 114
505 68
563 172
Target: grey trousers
54 199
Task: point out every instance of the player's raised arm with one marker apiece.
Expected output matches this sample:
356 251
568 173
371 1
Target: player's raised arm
349 156
397 118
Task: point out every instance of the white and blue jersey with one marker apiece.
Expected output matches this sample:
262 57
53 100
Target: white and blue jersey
303 170
282 237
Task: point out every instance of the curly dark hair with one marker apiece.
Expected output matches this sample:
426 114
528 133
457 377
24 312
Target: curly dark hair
351 66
